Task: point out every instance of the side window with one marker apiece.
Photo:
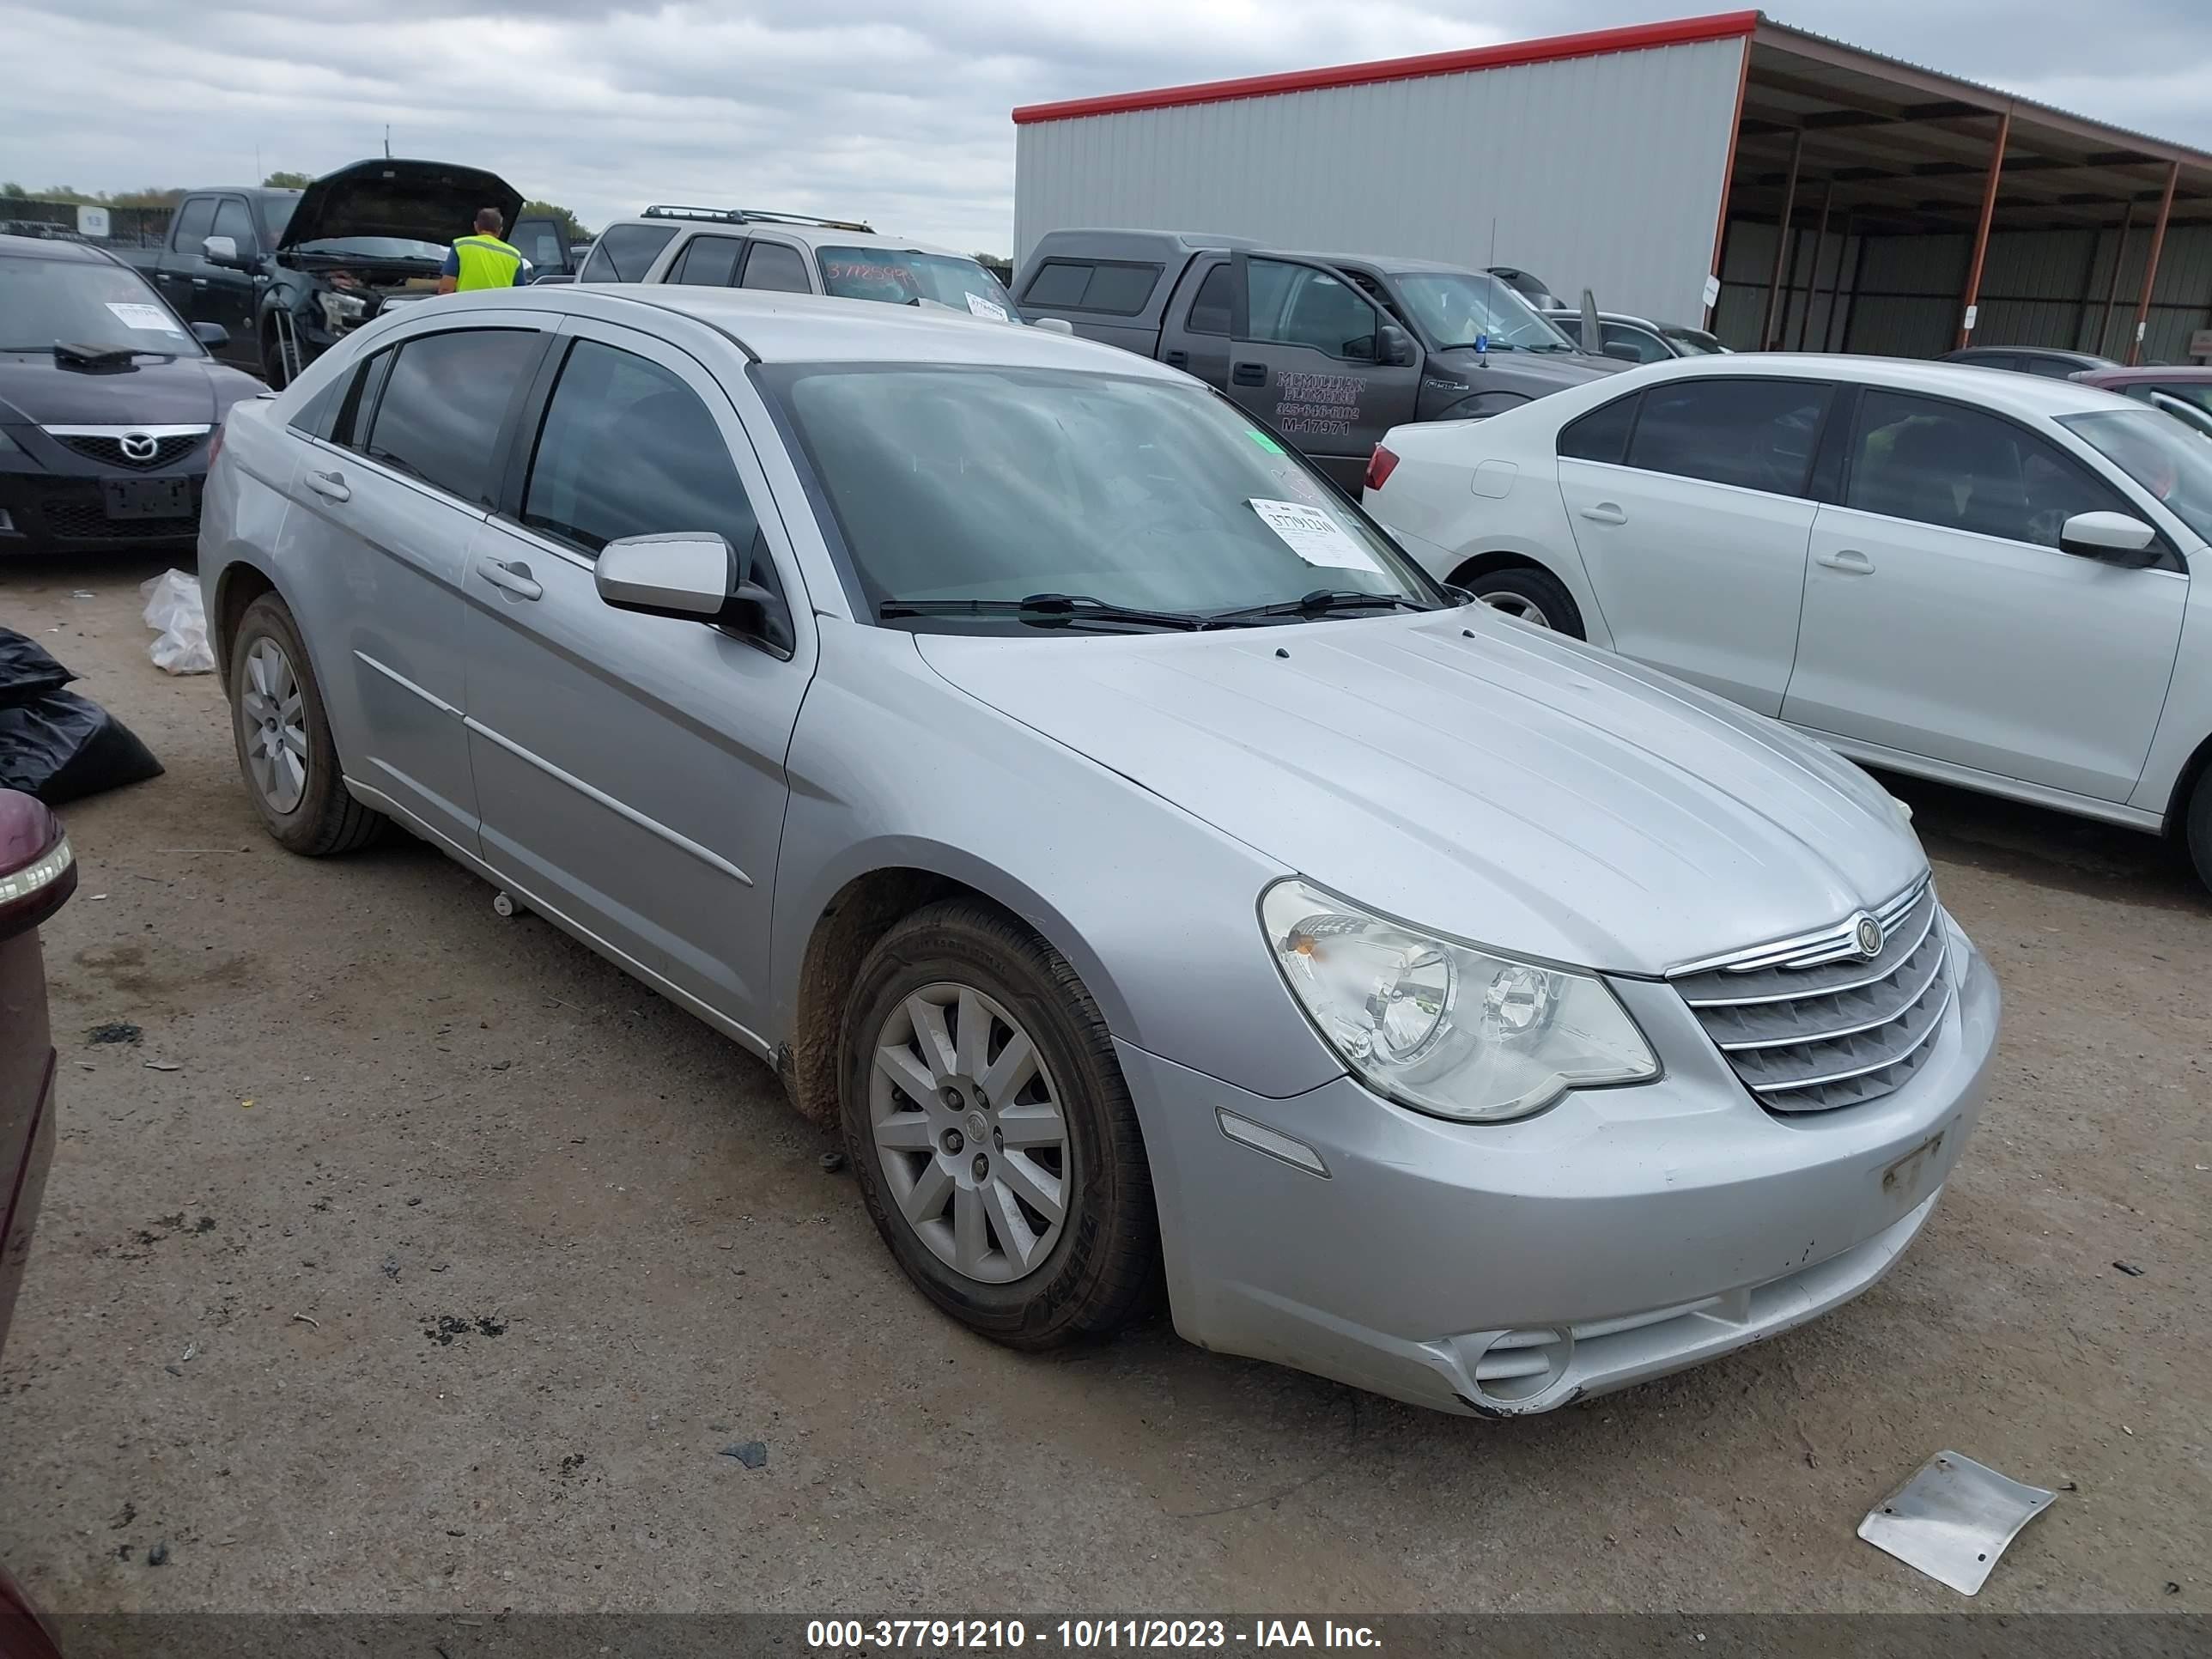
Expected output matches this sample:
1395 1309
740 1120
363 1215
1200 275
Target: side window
358 405
708 261
624 253
775 266
1119 288
1298 305
195 223
232 220
1632 344
1210 309
627 449
2052 368
1963 468
445 396
1754 434
1059 282
1601 435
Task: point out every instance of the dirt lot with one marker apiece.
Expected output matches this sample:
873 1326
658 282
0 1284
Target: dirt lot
444 1266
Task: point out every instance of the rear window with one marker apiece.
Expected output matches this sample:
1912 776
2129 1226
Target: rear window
443 401
625 253
1119 288
1601 435
1753 433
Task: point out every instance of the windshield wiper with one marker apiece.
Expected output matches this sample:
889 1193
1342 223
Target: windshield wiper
1321 602
72 351
1045 609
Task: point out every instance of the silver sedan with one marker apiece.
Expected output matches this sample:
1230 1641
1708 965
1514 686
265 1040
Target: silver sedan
1168 889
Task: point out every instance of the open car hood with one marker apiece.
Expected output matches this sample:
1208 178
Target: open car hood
415 201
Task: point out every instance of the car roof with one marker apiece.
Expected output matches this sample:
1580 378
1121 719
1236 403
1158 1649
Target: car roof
813 236
2028 396
774 328
53 247
1602 316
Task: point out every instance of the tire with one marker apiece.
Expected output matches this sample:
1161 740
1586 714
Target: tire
1098 1265
2199 826
302 800
1535 597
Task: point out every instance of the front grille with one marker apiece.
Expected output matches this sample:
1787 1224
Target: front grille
108 452
87 521
1812 1024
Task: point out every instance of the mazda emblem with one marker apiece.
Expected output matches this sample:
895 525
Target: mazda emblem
138 446
1866 934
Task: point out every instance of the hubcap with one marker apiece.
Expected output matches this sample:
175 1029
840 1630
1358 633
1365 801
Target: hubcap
1518 606
272 725
968 1125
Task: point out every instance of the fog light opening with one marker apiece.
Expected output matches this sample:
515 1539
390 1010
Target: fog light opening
1519 1366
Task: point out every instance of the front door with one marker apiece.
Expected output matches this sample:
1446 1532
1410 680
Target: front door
1309 359
1942 620
630 767
1687 505
382 514
221 294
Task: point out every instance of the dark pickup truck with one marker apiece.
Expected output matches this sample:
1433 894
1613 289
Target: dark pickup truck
328 258
1331 349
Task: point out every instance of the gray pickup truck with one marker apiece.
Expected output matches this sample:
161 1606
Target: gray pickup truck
1331 349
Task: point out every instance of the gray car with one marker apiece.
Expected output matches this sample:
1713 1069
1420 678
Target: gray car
1165 884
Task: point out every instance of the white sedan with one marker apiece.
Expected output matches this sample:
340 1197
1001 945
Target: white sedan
1974 576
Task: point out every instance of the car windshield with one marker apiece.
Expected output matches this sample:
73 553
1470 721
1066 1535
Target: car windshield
902 276
957 484
374 247
2159 454
45 303
1458 309
276 213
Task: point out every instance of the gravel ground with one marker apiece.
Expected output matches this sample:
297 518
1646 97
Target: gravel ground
444 1266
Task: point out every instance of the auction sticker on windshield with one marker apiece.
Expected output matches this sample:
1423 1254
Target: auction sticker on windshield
983 307
135 313
1314 536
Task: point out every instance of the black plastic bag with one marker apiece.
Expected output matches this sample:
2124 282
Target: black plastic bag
53 743
26 670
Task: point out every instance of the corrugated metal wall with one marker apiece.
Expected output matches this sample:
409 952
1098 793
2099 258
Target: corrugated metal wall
1601 172
2038 287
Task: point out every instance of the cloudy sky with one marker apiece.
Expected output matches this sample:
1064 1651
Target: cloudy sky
895 110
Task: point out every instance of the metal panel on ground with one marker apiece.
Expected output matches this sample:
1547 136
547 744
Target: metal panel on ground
1604 172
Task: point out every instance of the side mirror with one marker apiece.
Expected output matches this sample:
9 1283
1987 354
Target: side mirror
214 336
1056 325
1393 346
1623 350
691 576
2110 537
222 250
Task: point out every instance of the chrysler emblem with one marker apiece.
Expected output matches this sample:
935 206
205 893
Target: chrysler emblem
1866 934
138 446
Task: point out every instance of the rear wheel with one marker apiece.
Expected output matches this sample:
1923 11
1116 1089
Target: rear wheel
2199 826
994 1138
1535 597
285 750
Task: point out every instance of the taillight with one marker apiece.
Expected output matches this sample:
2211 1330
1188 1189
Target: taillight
1379 465
37 872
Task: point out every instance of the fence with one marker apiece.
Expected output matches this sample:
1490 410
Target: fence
127 226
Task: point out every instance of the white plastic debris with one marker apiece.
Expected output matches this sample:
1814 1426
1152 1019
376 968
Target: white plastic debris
174 611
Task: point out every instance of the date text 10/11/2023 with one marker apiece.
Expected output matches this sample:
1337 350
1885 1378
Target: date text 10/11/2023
1082 1635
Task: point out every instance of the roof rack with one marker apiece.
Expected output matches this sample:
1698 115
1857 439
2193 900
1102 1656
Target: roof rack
755 216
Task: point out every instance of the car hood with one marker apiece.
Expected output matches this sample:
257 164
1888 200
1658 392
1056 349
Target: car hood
1475 775
36 391
1554 370
415 201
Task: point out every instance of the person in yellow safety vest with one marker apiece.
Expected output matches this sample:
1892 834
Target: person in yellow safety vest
483 260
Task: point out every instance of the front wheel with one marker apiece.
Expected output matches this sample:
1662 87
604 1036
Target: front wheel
991 1133
2199 828
1535 597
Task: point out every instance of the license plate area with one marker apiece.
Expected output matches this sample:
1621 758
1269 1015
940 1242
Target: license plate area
147 498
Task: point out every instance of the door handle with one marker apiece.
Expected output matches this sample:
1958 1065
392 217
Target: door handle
331 486
1849 559
199 282
1177 358
1605 513
509 579
1250 374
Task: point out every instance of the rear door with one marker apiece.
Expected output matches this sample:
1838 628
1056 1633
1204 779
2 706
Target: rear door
1307 358
1200 320
1687 503
383 511
631 767
1942 620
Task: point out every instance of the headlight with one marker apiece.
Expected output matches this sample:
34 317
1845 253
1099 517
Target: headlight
341 311
1441 1026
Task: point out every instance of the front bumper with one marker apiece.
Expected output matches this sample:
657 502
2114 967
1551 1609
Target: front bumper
56 500
1509 1268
